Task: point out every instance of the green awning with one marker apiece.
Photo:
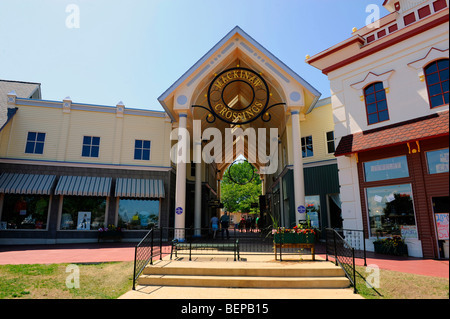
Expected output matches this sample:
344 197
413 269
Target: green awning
83 186
11 183
139 188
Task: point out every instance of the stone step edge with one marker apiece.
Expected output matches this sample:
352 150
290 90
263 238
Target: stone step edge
255 272
253 282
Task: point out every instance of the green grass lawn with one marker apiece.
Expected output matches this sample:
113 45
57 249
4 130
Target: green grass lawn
398 285
111 280
56 281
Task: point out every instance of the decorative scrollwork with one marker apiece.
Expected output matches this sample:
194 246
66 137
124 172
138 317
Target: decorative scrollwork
266 117
210 118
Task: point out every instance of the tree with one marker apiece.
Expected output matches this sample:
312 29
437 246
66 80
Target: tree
241 190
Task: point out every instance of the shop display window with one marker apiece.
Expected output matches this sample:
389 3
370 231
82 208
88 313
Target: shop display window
386 168
313 209
24 211
437 161
391 211
136 214
83 213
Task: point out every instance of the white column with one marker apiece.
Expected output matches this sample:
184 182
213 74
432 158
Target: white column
198 190
180 191
299 181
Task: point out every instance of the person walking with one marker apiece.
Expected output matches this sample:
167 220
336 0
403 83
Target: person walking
225 223
214 225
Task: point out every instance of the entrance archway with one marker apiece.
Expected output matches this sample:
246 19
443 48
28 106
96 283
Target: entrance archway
238 99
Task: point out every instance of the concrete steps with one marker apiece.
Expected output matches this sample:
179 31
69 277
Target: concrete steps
245 275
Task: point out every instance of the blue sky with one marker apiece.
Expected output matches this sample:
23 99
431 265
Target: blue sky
132 51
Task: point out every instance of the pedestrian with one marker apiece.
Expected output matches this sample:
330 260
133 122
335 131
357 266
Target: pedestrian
214 225
225 223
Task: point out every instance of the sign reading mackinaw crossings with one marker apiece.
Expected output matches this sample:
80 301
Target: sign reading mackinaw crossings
234 111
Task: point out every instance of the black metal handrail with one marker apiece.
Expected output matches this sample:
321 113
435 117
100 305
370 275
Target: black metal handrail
343 253
355 238
144 253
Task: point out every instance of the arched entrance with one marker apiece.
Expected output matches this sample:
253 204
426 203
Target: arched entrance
238 99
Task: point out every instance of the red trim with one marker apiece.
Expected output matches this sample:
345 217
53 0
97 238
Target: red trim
409 18
393 28
424 12
439 5
387 43
326 53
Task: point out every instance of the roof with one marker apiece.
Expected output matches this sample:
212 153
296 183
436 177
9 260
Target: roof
429 126
22 89
213 50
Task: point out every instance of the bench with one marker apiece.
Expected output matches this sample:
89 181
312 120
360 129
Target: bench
281 246
177 245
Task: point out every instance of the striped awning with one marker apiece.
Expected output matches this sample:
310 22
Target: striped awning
83 186
140 188
11 183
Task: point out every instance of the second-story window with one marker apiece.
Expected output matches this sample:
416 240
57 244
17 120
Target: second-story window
142 150
91 146
436 74
35 143
376 103
330 142
307 146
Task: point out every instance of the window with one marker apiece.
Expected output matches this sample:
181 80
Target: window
142 150
83 213
91 146
313 209
24 211
376 103
437 161
391 211
35 143
307 146
138 213
330 142
436 75
388 168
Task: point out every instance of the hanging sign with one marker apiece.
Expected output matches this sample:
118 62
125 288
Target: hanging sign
224 101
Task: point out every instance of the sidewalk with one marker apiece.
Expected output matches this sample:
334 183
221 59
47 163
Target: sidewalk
108 252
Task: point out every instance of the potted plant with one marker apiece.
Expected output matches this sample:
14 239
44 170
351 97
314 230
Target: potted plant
391 246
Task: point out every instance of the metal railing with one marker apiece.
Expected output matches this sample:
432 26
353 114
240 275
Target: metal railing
343 254
146 250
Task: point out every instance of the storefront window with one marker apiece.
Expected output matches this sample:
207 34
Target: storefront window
387 168
391 211
24 211
83 213
437 161
313 209
138 214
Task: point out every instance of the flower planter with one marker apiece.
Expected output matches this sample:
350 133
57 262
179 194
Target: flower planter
293 238
110 235
399 250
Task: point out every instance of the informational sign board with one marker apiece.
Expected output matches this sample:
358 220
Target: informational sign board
442 225
408 231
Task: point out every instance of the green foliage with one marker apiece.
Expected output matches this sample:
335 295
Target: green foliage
237 197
